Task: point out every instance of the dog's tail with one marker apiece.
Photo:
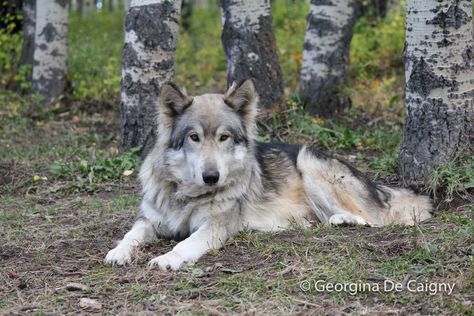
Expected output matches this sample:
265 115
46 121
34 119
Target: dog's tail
406 207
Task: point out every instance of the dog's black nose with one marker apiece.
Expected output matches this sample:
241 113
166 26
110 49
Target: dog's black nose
210 177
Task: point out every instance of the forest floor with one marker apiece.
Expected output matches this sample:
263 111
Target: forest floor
65 201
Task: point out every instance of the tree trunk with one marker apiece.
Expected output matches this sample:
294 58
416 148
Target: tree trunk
378 8
74 6
249 44
186 13
80 7
439 78
126 5
115 5
50 56
29 17
151 34
326 54
88 7
110 5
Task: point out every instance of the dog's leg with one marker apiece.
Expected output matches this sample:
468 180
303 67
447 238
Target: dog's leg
335 195
347 219
141 232
208 236
327 211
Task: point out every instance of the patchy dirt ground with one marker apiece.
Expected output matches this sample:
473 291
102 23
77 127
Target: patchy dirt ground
54 234
45 247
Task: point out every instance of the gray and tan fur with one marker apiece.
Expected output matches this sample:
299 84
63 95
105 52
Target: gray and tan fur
207 178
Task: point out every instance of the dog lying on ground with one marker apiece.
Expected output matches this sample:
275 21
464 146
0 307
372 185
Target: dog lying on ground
207 178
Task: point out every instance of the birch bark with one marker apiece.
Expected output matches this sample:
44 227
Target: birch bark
50 55
151 34
326 54
250 47
126 5
439 81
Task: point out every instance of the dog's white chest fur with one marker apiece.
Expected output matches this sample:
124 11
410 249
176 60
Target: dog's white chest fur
173 219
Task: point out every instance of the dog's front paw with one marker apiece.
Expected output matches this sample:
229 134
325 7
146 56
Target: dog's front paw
119 256
347 219
168 261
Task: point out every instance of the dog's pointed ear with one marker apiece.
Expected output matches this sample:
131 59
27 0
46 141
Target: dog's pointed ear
173 101
243 98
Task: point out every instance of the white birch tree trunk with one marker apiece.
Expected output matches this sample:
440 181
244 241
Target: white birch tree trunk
112 5
439 77
50 56
151 35
115 5
186 13
126 5
250 47
326 54
378 7
74 6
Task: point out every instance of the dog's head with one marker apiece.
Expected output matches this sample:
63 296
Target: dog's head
208 137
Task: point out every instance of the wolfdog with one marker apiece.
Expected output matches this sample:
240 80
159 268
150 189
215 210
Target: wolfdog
207 178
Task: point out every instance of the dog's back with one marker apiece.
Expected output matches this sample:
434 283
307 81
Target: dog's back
300 182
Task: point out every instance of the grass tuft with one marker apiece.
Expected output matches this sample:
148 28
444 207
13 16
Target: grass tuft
453 179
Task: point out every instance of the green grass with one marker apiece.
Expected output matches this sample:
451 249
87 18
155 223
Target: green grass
453 179
94 55
86 173
377 45
200 60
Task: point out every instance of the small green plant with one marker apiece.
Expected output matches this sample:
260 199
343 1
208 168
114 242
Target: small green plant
377 45
386 162
88 173
23 77
10 43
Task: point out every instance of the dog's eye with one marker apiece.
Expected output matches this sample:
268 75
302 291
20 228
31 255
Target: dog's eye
194 137
224 138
